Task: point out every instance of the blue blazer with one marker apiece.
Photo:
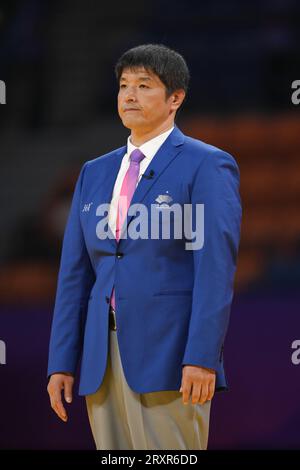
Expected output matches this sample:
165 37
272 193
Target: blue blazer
172 304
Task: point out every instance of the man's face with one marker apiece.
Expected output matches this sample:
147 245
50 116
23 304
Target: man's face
142 102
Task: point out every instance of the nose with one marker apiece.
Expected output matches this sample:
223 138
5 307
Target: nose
130 95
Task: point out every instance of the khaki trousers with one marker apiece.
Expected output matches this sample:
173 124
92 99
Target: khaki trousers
123 419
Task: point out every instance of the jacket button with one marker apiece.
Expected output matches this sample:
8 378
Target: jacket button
119 255
107 299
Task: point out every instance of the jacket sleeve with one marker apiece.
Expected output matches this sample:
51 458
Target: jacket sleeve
216 185
75 279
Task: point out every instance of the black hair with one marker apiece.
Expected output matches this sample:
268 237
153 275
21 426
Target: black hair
166 63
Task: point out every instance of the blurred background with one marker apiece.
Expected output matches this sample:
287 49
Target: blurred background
57 60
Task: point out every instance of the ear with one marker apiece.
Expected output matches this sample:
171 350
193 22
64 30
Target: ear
177 99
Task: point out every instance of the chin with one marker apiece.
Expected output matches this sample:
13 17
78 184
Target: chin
129 123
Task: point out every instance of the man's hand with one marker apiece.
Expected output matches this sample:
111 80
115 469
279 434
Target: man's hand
57 383
198 380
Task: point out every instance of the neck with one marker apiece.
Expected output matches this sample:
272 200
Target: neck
138 137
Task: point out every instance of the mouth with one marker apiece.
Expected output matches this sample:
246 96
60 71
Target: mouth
130 109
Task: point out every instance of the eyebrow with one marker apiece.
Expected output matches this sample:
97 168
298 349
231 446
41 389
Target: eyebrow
140 78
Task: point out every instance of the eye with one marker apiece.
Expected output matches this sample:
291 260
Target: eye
122 85
143 86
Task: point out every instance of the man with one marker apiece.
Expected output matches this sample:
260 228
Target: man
149 313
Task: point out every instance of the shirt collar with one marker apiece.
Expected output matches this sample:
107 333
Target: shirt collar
148 147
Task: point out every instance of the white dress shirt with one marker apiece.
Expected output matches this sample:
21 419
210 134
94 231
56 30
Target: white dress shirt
149 149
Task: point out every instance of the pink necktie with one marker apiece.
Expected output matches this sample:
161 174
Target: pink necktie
127 190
